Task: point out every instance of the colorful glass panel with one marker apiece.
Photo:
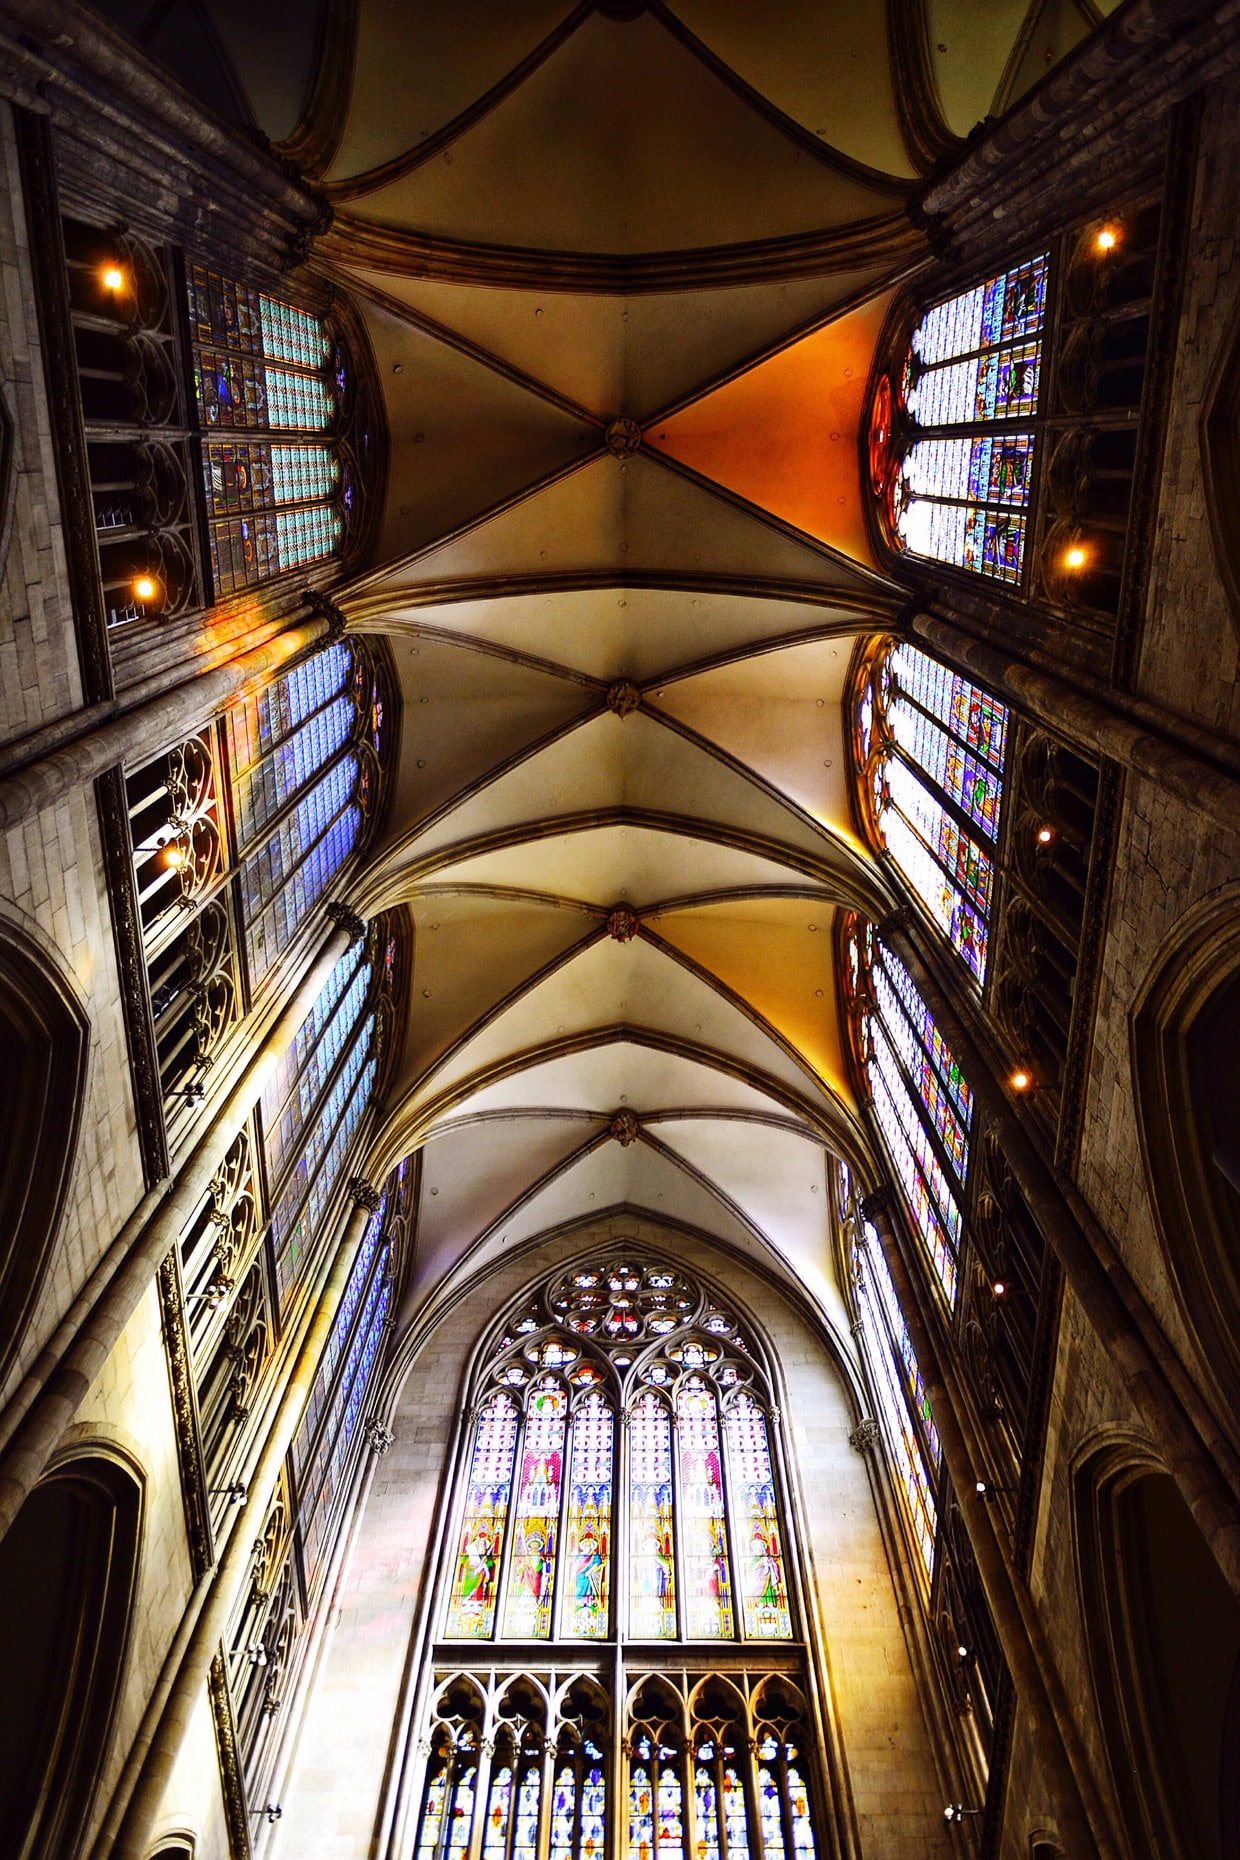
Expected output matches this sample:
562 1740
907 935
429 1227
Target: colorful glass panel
670 1821
706 1814
898 1387
563 1812
755 1522
525 1832
434 1802
973 361
471 1609
705 1581
770 1805
641 1814
592 1840
652 1582
536 1517
461 1823
798 1807
587 1563
499 1808
735 1820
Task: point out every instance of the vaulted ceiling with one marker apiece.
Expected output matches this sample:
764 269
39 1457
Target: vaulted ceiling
623 269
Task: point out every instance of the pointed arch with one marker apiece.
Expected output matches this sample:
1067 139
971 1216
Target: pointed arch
44 1053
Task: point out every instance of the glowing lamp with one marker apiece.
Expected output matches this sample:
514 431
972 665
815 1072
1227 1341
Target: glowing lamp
1021 1081
1075 557
112 278
1107 239
174 857
999 1288
144 588
1045 836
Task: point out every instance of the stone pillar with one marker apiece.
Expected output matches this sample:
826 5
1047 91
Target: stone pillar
140 733
51 1413
1198 1457
1097 726
159 1747
1083 1825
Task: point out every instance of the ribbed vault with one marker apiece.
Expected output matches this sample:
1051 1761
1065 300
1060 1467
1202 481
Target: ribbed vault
623 269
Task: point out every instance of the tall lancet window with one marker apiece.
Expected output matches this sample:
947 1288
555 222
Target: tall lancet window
620 1496
930 751
273 390
952 438
304 755
921 1100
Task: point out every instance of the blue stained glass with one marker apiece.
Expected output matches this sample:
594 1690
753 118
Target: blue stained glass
277 778
886 1354
289 1101
349 1099
933 1074
525 1834
325 1475
324 1379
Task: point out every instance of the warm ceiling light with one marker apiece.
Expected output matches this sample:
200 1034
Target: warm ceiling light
1107 239
144 588
999 1289
1021 1081
1074 557
1045 836
174 856
112 278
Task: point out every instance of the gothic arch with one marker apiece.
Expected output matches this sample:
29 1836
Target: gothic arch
44 1052
68 1571
1163 1634
1186 1034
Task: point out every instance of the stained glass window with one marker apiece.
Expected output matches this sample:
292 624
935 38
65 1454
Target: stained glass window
932 750
471 1611
707 1587
974 363
302 756
922 1102
900 1393
764 1590
691 1472
585 1611
277 498
312 1107
652 1574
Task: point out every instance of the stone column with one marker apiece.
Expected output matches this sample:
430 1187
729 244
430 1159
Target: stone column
1198 1457
162 1744
137 734
51 1413
1113 728
1083 1824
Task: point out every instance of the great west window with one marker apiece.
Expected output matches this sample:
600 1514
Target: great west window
620 1494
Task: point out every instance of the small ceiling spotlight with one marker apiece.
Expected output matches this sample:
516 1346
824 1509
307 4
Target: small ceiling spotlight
236 1493
1021 1080
1075 557
964 1654
145 588
1107 239
112 278
956 1811
987 1492
1045 835
999 1288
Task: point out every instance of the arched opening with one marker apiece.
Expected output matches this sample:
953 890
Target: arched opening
1165 1646
67 1571
44 1038
1187 1053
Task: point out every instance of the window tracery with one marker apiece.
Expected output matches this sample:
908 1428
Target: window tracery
281 493
619 1483
636 1342
921 1100
930 751
952 440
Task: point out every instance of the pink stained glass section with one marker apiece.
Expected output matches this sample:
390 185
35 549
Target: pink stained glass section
755 1522
471 1611
652 1582
705 1581
587 1561
536 1515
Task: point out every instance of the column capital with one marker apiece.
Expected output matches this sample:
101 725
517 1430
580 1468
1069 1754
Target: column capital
877 1205
347 919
